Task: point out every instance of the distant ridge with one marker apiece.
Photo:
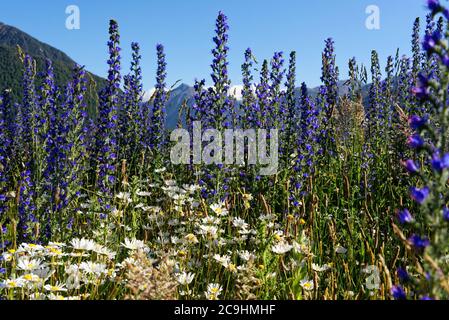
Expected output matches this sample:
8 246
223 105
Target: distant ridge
11 69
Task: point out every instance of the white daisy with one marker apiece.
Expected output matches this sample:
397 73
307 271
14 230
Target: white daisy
341 250
83 244
143 193
239 223
223 260
209 232
219 209
12 283
246 255
191 238
55 288
281 247
213 291
318 268
125 197
133 244
27 264
185 278
307 284
93 268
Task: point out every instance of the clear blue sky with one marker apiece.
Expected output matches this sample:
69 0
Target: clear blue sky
186 29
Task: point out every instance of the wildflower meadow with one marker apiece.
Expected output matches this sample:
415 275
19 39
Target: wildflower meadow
279 195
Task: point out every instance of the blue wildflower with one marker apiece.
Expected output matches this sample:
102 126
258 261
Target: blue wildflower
404 216
419 195
418 242
398 293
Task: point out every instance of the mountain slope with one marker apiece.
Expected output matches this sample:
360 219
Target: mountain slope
185 93
11 68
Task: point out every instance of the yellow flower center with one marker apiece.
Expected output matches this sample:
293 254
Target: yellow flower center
55 251
28 277
232 267
308 285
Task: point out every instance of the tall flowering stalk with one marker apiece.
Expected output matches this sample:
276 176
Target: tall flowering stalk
158 116
220 77
275 111
375 113
416 50
76 139
426 232
132 122
26 124
291 112
328 95
55 154
25 143
247 93
5 155
263 98
106 142
329 75
306 148
215 184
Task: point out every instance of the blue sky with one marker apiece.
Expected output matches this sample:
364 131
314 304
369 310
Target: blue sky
186 29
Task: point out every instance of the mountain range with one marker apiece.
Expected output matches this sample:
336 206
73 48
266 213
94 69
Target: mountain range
11 71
